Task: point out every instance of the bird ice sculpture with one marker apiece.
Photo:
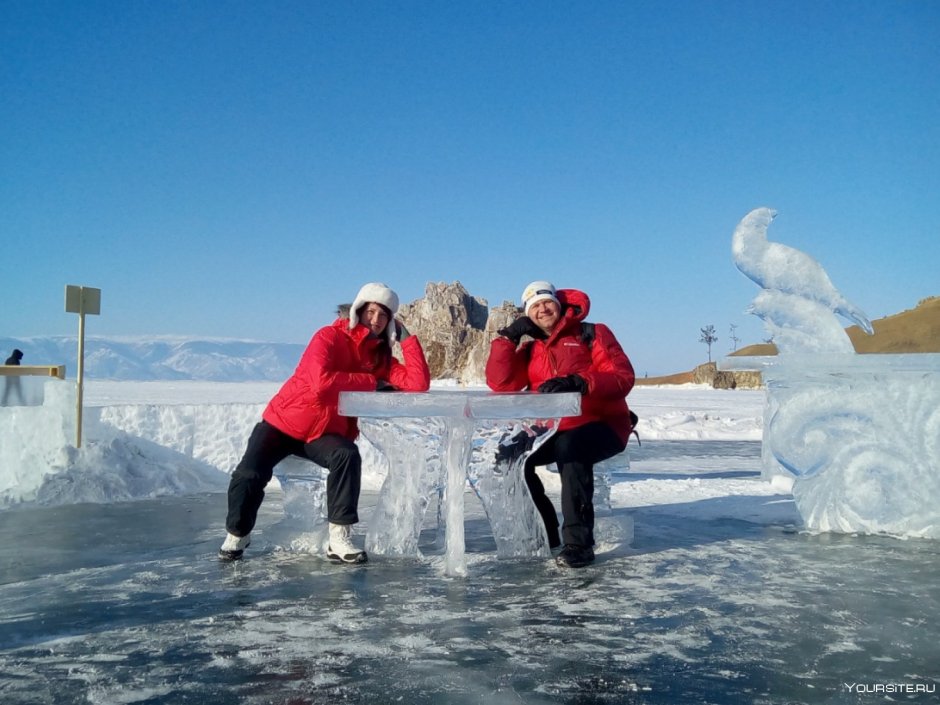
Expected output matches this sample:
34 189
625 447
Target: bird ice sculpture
797 280
856 439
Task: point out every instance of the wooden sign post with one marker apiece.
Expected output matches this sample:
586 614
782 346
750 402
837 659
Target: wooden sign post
81 300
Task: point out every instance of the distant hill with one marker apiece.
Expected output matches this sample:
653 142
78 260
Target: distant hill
678 378
916 330
143 359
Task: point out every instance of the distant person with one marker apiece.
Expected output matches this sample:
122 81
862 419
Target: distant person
567 355
354 354
12 385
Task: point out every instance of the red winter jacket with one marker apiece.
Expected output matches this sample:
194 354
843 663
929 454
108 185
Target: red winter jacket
341 360
603 365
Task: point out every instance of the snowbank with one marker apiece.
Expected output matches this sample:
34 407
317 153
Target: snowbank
130 451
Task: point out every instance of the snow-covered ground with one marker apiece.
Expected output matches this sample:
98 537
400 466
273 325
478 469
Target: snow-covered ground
705 590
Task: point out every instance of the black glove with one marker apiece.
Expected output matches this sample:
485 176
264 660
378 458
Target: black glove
401 332
382 386
520 327
512 448
571 383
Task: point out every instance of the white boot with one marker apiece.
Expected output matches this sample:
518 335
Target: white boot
234 546
341 547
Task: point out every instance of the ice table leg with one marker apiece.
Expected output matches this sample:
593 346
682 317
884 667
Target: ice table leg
414 452
414 477
457 435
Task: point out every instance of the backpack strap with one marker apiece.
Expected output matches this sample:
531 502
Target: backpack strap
587 336
587 333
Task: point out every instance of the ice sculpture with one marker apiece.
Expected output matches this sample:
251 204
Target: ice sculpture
304 526
428 440
779 268
517 527
857 437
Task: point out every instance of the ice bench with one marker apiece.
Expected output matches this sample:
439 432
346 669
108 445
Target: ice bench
303 483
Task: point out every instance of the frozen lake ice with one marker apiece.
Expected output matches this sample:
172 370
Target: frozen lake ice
717 599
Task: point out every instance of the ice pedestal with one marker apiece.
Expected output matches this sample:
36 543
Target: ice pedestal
428 439
413 448
858 436
22 390
518 529
606 473
35 441
304 526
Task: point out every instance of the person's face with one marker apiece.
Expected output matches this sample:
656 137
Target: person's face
374 317
545 314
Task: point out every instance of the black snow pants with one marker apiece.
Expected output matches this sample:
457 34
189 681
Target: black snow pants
574 452
268 446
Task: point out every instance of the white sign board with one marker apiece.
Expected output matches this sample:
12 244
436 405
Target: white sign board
82 299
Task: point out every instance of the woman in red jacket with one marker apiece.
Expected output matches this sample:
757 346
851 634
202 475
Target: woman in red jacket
561 358
354 354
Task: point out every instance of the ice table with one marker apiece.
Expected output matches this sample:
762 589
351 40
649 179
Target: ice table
438 440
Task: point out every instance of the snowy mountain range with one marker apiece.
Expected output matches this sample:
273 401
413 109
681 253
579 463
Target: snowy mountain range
162 358
227 360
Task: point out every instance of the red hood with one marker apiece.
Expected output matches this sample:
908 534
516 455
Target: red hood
575 306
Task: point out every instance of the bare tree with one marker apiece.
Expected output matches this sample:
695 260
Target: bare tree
734 337
708 337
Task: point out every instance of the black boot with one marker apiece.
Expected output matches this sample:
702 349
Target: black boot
573 556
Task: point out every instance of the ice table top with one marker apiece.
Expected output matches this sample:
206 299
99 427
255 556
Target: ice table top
836 363
460 404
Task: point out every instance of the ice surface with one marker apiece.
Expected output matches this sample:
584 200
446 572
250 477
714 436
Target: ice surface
857 438
716 602
704 606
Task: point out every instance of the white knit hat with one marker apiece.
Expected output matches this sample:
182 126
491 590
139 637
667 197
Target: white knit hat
538 291
378 293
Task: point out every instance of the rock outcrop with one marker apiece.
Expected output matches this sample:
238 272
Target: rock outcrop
709 374
455 329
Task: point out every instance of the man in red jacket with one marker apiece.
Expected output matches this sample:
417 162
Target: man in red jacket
354 354
561 358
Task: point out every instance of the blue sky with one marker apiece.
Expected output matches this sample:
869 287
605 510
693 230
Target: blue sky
237 169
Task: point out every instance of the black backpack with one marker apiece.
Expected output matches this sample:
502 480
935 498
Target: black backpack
587 336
